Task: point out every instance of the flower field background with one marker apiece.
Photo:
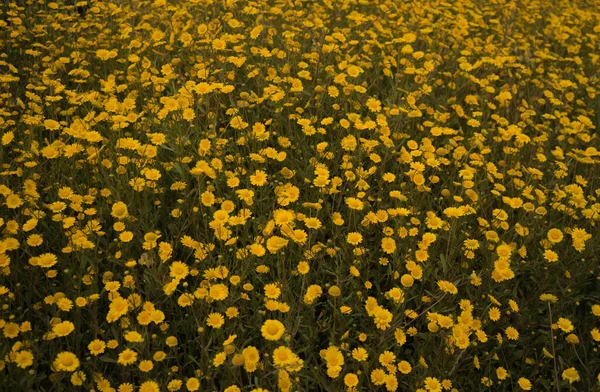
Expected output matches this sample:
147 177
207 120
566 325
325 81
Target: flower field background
300 195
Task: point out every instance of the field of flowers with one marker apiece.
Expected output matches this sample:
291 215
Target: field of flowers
299 195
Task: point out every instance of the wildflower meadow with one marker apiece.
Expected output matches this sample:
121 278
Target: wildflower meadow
299 195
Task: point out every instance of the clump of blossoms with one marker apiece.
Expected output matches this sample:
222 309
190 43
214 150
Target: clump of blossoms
281 196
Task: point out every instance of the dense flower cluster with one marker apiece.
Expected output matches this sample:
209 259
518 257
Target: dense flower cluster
299 195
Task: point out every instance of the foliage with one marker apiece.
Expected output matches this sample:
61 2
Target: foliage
299 195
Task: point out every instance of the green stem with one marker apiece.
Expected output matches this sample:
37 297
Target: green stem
553 350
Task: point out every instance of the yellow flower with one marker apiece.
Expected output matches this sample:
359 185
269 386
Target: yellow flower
504 97
178 270
407 280
119 210
382 318
219 44
192 384
46 260
117 308
404 367
7 137
112 344
283 356
351 380
550 256
218 292
275 243
64 304
524 383
354 70
570 375
126 236
548 298
145 366
127 357
334 291
432 384
112 286
388 245
555 236
133 336
303 267
35 240
360 354
151 237
501 373
251 357
50 152
565 324
152 174
215 320
354 203
494 314
313 223
333 356
354 238
23 359
51 125
238 123
447 287
13 201
378 377
63 329
572 338
259 178
66 361
159 356
504 251
272 329
104 54
272 290
512 333
149 386
96 347
387 358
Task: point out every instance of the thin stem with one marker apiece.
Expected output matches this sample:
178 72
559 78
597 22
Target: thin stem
553 350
